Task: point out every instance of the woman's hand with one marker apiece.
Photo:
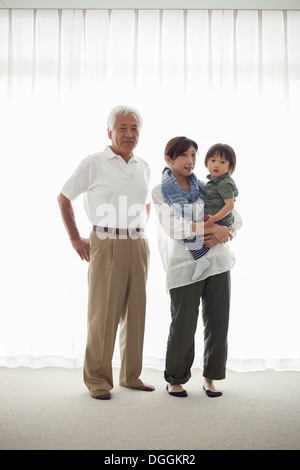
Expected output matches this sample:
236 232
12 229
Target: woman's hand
218 234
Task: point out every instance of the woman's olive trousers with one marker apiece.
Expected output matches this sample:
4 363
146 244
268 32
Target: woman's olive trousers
185 301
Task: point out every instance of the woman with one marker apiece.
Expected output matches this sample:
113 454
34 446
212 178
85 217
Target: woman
174 205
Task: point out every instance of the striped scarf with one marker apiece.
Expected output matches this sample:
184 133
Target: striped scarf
179 199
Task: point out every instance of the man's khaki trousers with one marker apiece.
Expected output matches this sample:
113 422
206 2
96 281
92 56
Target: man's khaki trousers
117 295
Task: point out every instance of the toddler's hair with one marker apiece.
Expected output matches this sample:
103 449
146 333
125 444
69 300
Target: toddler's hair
225 151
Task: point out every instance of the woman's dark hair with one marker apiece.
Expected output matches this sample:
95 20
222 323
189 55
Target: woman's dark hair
177 146
225 151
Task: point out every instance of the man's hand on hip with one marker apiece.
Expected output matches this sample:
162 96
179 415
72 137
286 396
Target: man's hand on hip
82 246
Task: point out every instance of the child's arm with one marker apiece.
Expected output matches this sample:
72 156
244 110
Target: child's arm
228 207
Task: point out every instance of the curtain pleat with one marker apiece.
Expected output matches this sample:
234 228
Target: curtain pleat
213 75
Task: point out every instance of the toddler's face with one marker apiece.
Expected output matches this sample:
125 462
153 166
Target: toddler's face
217 166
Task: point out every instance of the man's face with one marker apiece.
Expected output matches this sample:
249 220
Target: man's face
125 135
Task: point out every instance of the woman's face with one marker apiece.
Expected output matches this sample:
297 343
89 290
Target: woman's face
183 165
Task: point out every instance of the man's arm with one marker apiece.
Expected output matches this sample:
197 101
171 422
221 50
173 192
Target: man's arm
81 245
148 206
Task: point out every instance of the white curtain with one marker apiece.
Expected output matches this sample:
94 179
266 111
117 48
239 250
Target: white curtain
231 76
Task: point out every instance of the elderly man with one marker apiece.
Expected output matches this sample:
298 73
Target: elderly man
116 186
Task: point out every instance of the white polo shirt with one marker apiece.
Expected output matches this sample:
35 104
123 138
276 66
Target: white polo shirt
115 192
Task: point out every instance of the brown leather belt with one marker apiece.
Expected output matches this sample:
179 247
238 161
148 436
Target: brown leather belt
118 231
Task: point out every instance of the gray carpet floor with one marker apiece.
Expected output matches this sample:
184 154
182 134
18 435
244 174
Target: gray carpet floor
50 409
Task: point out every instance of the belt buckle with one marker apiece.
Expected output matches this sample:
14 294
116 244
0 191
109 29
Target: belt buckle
134 232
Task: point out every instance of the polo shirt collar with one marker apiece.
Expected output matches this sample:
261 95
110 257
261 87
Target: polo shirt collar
110 154
219 177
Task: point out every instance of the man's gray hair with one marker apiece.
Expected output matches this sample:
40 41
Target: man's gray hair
123 110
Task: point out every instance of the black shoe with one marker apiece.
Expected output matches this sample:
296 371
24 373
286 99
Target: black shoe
211 394
177 394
